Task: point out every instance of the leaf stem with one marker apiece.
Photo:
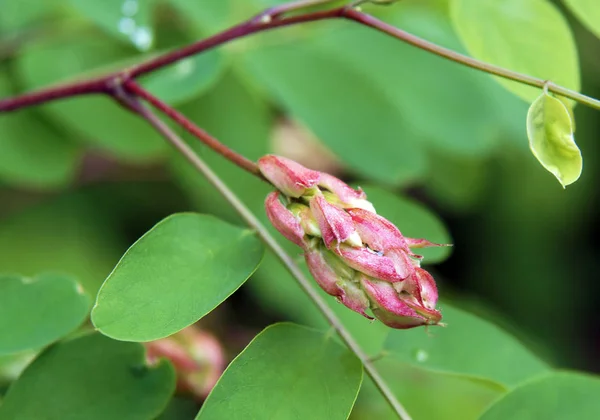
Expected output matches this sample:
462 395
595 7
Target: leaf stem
234 157
270 241
372 22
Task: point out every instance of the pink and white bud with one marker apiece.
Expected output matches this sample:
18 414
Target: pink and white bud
336 279
197 356
335 224
390 307
287 176
379 233
284 220
347 196
373 264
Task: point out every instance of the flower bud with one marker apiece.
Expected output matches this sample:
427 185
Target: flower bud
336 279
335 224
283 220
348 197
373 264
287 176
197 357
391 307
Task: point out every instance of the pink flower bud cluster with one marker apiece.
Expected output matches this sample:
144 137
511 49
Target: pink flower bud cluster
354 254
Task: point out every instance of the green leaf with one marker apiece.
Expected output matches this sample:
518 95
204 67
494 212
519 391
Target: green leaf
550 131
172 276
33 153
187 78
588 12
343 108
287 372
414 220
97 119
129 20
90 377
468 346
494 31
454 112
35 312
424 394
558 396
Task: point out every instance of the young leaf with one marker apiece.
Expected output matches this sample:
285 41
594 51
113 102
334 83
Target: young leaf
588 12
467 346
286 372
172 276
527 36
34 312
90 377
550 131
558 396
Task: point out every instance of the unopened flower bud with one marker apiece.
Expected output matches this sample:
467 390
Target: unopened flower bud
197 357
354 254
335 224
336 278
283 220
287 176
348 197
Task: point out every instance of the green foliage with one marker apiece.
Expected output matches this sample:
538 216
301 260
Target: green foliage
34 312
351 111
187 78
493 31
286 372
99 120
587 12
34 153
468 346
550 130
91 377
561 395
174 275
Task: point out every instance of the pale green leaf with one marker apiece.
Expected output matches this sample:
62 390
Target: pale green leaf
468 346
550 131
287 372
526 36
172 276
90 377
558 396
34 312
588 12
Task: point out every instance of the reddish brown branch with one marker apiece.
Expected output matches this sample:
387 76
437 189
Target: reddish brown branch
133 88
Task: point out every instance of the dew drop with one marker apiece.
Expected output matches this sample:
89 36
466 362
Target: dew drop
421 356
142 38
185 67
126 26
129 7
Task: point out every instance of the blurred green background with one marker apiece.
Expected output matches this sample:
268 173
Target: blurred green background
82 179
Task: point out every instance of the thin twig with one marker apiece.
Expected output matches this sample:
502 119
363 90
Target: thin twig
266 237
260 24
193 129
370 21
